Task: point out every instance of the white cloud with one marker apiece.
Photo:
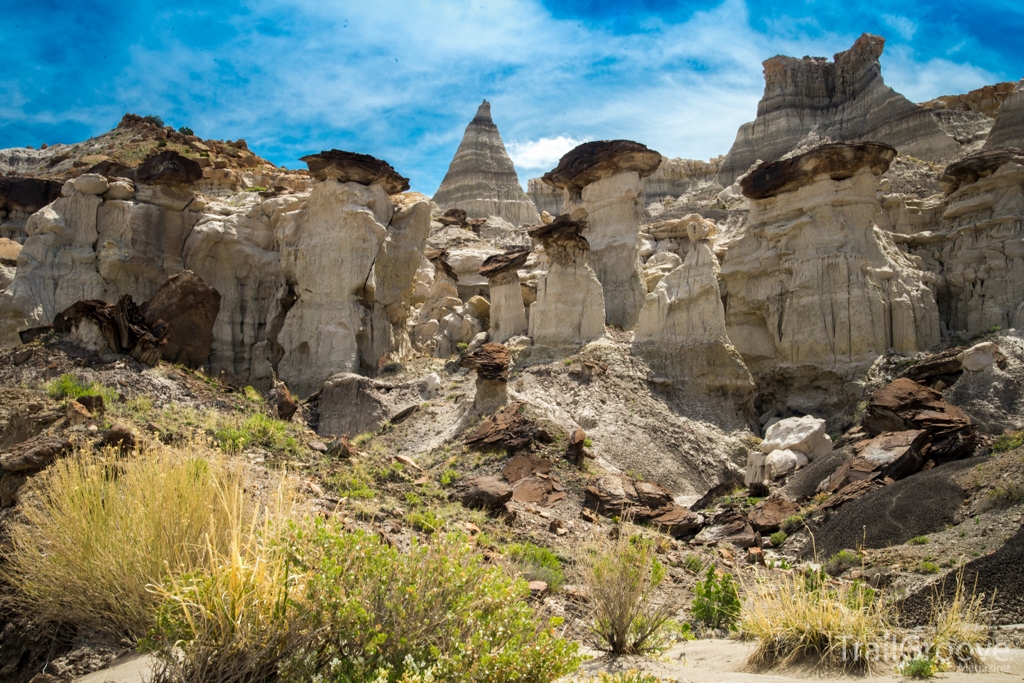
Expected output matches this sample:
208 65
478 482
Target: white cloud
922 81
902 25
540 154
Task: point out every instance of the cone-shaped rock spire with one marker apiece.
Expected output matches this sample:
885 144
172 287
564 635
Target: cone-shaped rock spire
481 179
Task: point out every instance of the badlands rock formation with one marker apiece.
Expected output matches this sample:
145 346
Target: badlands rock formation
482 179
843 100
601 183
1008 130
507 313
19 199
815 290
569 310
681 331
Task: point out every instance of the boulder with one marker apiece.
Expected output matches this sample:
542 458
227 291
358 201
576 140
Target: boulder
768 515
507 429
523 466
905 405
979 356
76 414
543 490
281 402
887 456
729 526
91 183
352 404
805 434
34 454
188 308
489 493
782 461
168 168
620 495
491 362
974 167
120 437
481 180
347 167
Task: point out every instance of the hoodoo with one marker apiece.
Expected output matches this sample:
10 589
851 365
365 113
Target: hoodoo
482 179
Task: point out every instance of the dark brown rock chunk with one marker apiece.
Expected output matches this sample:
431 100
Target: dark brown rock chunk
576 449
561 231
512 259
730 526
976 166
439 258
490 361
489 493
188 308
94 404
351 167
523 466
644 501
120 437
838 160
282 404
34 454
593 161
906 405
456 217
121 325
890 454
111 169
168 168
768 515
505 429
543 491
945 367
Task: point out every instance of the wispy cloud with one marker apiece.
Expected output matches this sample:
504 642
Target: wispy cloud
542 154
902 25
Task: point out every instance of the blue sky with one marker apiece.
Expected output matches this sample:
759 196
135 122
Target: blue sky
400 79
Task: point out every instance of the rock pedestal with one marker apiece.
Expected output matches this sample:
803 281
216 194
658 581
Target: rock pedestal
1008 130
601 184
816 292
508 314
569 310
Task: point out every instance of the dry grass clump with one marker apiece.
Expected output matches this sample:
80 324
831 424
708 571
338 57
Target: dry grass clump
99 531
621 576
960 626
799 617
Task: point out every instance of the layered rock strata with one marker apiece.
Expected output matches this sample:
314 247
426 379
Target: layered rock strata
681 330
815 291
842 100
1008 130
601 185
481 178
507 313
569 310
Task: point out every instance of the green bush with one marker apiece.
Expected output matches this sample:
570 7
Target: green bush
928 568
259 430
371 609
778 538
693 563
449 477
154 119
537 564
426 521
716 601
1004 496
70 387
841 561
1008 441
792 523
918 540
920 666
185 130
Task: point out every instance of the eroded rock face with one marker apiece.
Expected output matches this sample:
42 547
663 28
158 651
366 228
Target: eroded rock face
816 291
681 330
328 249
593 161
481 179
842 100
352 167
19 199
569 310
188 308
1008 130
839 161
168 168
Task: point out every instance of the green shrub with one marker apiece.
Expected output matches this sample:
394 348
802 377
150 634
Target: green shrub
449 477
362 439
70 387
928 568
1008 441
792 523
716 601
1003 496
256 429
161 143
371 609
919 666
918 540
256 188
185 130
693 563
100 532
537 564
154 119
631 676
426 521
621 577
778 538
841 561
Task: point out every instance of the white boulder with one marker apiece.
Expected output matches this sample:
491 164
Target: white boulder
804 434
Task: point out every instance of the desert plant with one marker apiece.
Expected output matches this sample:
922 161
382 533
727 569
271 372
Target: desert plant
1003 496
236 432
631 676
621 577
918 666
927 567
426 521
797 616
1008 441
792 523
958 625
778 538
693 563
100 531
369 607
537 564
841 561
185 130
362 439
918 540
154 119
449 477
716 602
69 386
